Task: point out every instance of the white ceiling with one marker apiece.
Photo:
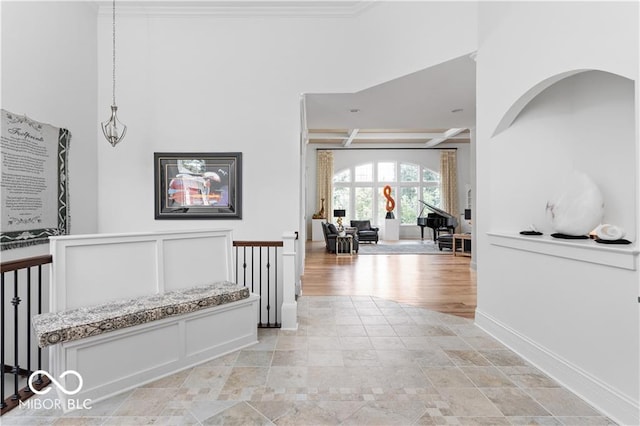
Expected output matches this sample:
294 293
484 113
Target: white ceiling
345 8
401 110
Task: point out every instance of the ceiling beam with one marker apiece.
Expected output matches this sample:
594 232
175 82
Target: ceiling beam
352 135
453 132
390 135
449 134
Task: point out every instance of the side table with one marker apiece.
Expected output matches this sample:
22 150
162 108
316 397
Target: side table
344 245
463 238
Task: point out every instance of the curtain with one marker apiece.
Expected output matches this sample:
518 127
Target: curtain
324 184
449 182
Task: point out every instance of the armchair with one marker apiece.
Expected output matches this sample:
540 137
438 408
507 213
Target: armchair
365 231
330 233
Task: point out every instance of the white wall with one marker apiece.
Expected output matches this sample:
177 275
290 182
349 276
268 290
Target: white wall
49 72
213 83
399 38
344 158
576 320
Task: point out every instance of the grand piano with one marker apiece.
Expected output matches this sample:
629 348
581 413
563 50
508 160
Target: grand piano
438 221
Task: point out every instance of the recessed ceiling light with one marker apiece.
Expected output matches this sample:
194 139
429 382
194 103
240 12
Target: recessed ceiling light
354 110
457 110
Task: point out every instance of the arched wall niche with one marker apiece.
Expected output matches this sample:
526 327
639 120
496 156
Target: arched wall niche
523 101
580 120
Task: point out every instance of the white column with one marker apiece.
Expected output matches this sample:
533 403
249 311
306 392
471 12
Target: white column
316 230
391 230
289 279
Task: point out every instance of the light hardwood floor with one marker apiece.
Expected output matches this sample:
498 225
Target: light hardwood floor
440 282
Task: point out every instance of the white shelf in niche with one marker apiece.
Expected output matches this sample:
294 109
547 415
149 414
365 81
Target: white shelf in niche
617 256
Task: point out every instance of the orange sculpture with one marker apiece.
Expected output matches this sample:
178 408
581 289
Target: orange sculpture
391 204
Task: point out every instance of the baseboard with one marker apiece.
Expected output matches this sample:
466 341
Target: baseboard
607 400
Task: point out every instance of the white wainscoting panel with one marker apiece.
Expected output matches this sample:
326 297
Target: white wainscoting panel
196 260
91 276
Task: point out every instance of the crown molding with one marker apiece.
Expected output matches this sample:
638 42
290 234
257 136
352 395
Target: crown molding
238 8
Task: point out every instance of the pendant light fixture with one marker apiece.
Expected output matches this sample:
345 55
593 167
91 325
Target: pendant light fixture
113 129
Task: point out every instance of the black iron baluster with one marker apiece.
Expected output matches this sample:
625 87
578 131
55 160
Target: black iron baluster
252 276
260 282
16 368
244 265
39 380
268 289
28 328
275 250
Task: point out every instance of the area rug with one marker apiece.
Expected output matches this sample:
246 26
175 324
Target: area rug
402 247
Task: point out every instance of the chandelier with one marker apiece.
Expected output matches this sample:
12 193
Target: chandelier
113 129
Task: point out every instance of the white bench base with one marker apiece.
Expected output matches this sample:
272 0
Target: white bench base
98 269
115 362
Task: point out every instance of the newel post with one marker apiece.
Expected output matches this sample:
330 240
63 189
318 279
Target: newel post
289 278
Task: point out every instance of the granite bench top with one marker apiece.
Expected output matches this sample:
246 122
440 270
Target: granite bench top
66 326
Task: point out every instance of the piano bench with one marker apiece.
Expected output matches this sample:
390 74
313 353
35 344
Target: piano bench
445 241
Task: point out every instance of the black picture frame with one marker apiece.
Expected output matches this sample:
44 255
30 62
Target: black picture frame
198 185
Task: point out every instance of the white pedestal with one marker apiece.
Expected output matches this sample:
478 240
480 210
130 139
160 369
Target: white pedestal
316 230
391 230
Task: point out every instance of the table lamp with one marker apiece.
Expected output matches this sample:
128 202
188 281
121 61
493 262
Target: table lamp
340 213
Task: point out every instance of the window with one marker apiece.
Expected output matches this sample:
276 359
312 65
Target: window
341 196
386 172
431 195
409 202
408 173
363 203
364 173
431 187
430 176
342 176
359 190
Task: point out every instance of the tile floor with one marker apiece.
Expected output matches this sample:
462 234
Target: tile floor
353 361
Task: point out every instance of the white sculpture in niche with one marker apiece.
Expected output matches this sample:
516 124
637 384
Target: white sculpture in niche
578 208
609 232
